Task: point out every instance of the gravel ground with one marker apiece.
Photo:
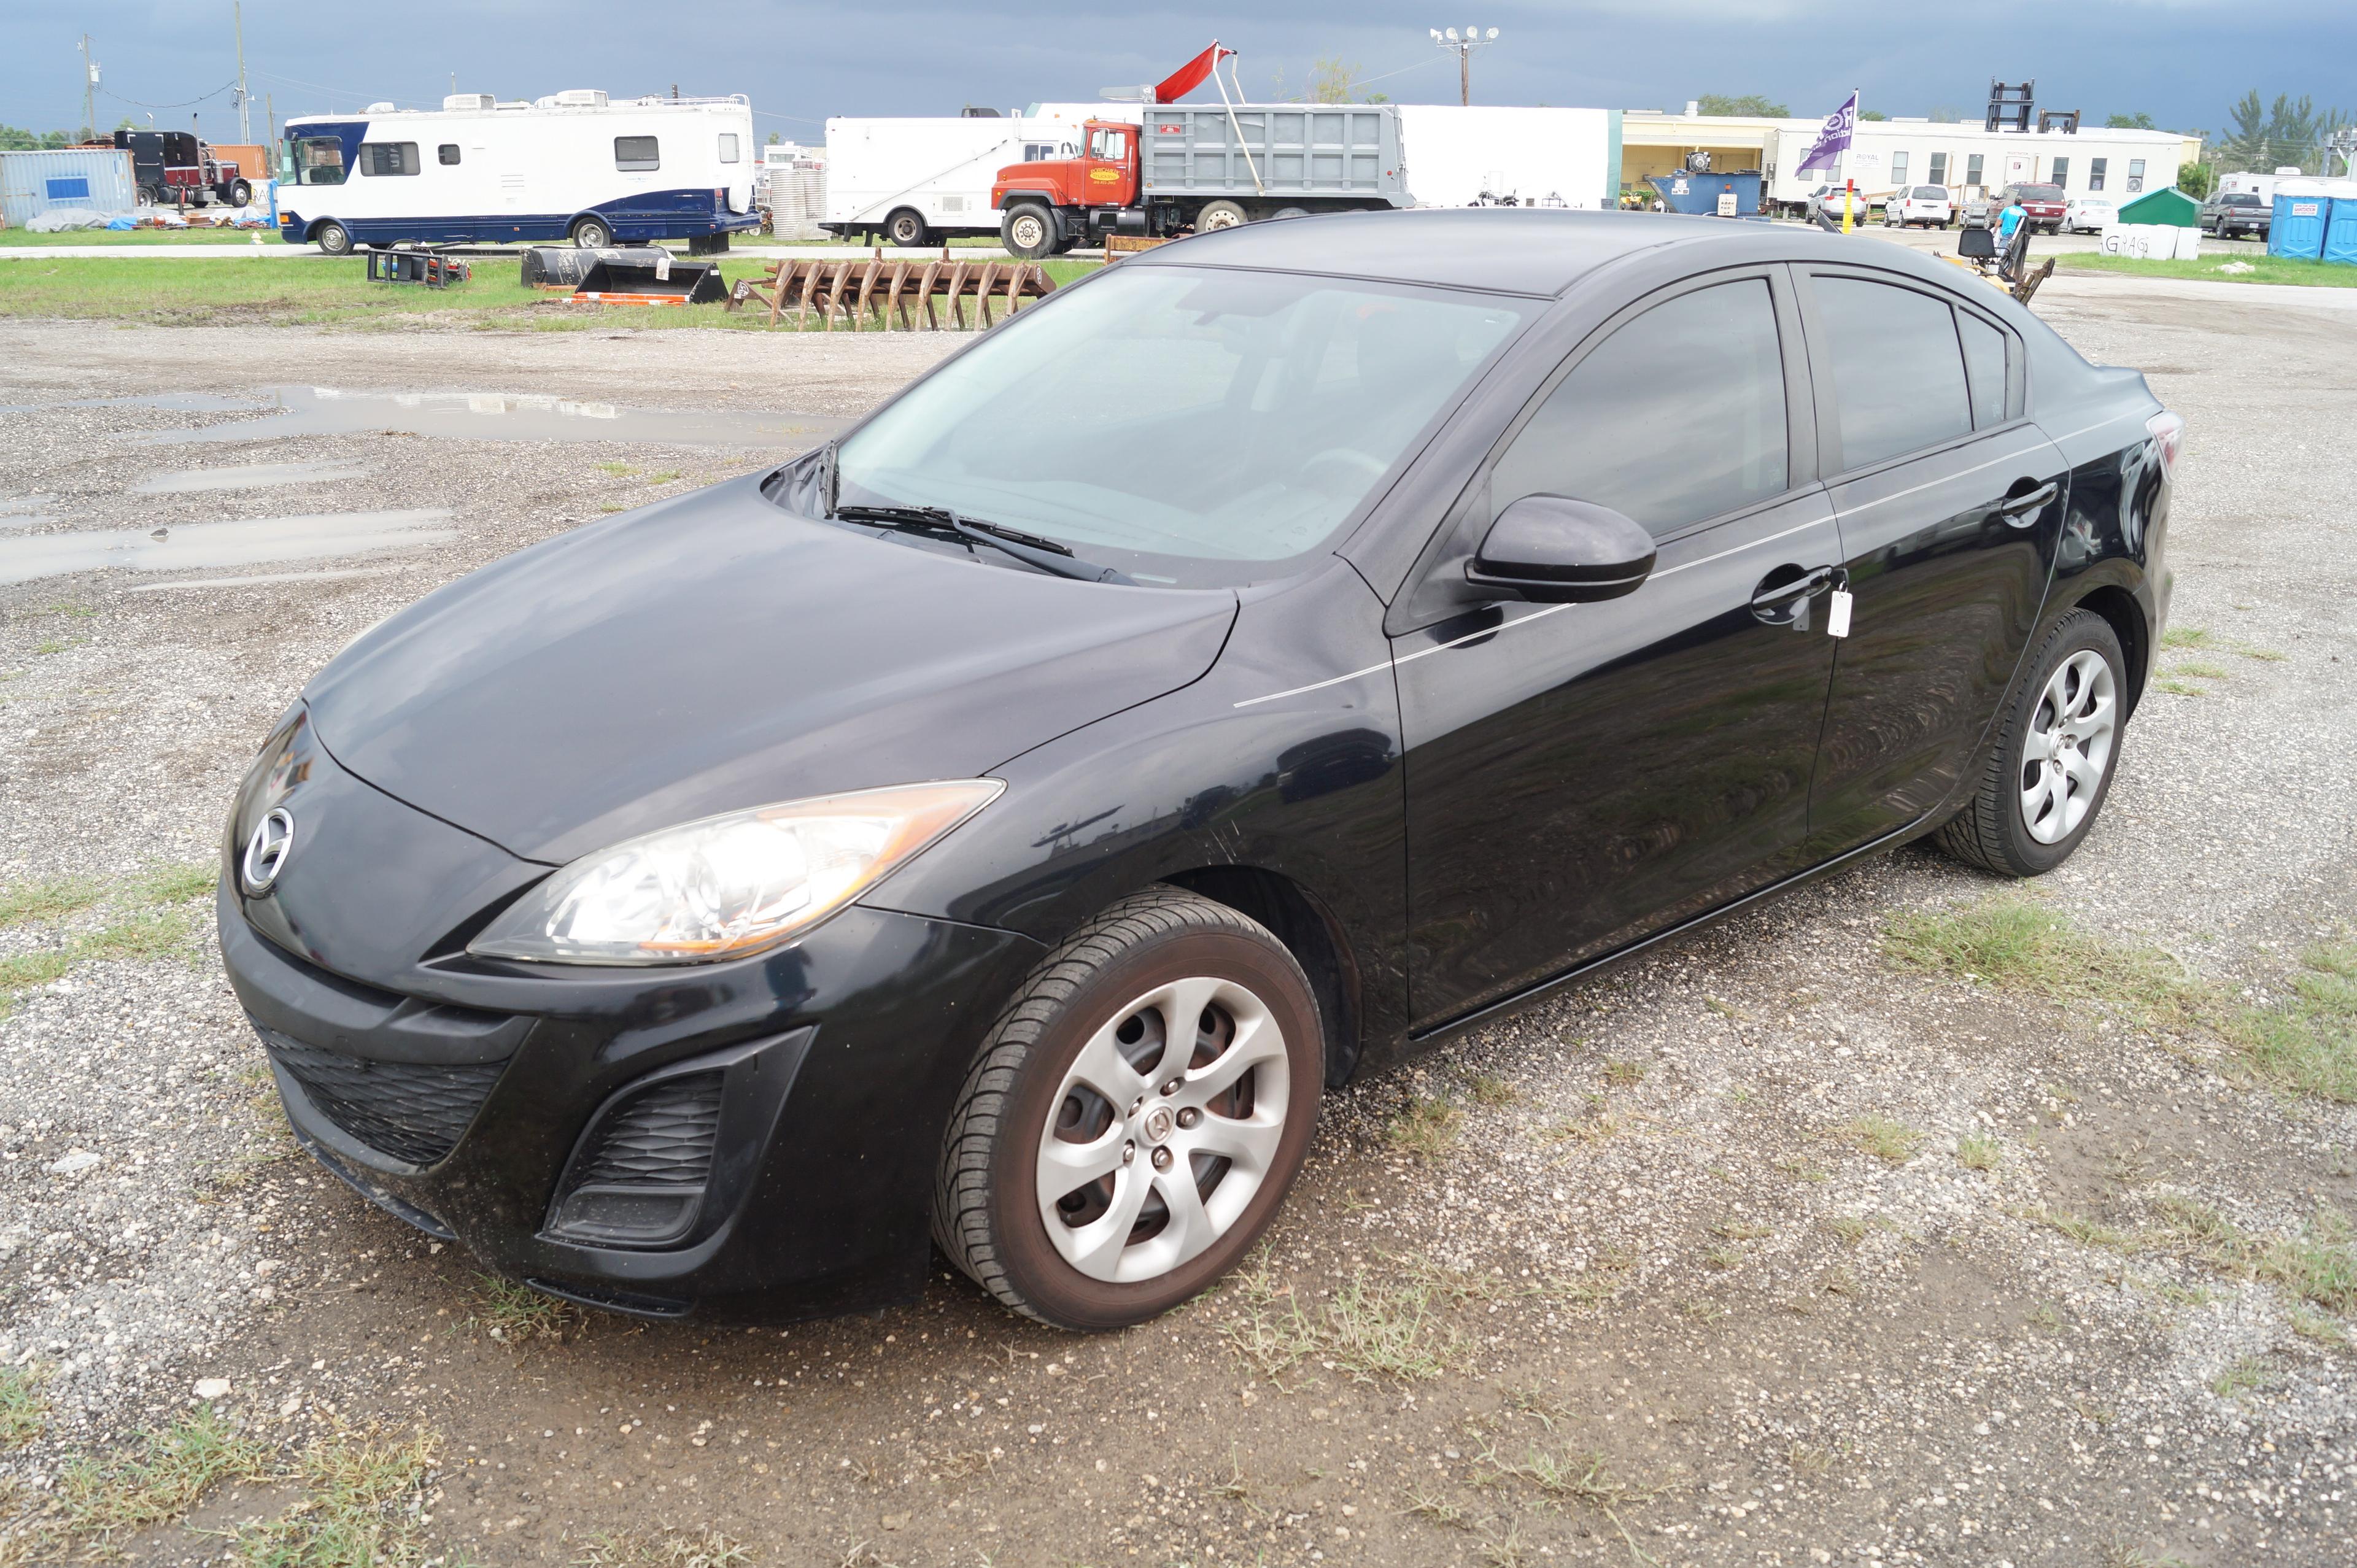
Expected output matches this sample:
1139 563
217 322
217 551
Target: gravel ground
1636 1276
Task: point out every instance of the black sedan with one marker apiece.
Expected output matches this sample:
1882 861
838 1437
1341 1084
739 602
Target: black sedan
996 830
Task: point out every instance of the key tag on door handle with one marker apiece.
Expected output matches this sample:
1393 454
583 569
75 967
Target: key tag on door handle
1837 605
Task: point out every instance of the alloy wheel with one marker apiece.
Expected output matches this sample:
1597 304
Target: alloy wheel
1164 1128
2069 747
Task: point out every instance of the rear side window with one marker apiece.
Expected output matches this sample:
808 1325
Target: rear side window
447 152
637 153
727 146
1984 369
1931 192
1678 416
1899 377
388 157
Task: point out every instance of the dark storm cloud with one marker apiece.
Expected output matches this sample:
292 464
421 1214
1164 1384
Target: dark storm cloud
802 63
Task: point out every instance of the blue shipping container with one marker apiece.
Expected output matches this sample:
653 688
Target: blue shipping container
1700 192
94 179
2297 228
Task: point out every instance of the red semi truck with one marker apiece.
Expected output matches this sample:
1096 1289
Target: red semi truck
174 168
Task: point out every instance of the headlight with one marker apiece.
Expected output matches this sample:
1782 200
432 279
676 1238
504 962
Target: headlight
729 885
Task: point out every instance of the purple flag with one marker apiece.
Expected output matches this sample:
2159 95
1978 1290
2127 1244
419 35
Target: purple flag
1834 140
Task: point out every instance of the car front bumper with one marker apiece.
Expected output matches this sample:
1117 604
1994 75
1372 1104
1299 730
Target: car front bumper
762 1135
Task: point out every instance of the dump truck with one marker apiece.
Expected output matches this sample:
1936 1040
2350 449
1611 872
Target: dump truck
1182 167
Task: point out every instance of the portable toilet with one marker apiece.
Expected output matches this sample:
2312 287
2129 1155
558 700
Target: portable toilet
2304 214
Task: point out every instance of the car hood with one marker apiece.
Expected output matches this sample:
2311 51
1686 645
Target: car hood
716 653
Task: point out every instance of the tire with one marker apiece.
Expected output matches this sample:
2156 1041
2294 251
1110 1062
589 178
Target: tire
591 233
1090 1006
1289 212
2077 688
333 238
907 228
1219 215
1028 231
241 194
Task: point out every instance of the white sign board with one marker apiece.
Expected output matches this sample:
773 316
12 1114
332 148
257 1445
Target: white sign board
2151 242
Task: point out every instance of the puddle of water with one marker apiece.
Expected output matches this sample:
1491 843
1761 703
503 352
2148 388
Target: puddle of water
503 416
248 477
176 402
259 541
265 578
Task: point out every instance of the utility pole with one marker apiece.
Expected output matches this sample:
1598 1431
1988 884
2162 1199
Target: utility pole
89 89
1465 44
244 116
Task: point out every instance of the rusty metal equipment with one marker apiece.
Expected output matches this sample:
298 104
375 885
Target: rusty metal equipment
890 291
433 270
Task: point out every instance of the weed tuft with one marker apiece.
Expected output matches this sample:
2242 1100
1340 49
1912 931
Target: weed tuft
518 1315
22 1405
1389 1329
1977 1152
666 1548
1892 1143
1425 1127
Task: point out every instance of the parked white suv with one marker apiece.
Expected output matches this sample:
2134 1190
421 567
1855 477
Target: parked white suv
2088 215
1926 204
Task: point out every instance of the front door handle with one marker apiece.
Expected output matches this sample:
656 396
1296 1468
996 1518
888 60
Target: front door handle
2021 510
1783 593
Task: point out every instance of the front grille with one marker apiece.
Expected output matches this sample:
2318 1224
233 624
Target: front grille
411 1110
663 1136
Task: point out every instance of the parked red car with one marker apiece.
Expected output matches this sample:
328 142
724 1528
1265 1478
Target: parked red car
2042 204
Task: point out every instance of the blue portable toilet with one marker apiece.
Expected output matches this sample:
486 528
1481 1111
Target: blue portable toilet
2306 214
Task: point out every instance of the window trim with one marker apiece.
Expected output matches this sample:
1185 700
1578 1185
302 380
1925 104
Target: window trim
1828 413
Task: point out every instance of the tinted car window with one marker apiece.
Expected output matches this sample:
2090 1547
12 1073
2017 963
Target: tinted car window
1931 192
1679 415
1984 369
1898 379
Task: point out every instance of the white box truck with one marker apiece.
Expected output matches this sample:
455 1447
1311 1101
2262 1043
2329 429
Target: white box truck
919 180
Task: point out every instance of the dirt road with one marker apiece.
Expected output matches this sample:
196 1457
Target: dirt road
1885 1224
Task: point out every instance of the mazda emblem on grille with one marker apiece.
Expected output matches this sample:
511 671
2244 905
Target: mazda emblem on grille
266 851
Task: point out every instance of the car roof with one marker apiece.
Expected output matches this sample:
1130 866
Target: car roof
1498 250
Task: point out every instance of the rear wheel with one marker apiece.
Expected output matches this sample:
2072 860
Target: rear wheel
1137 1118
591 233
1219 215
907 228
334 238
1290 212
2055 756
1029 231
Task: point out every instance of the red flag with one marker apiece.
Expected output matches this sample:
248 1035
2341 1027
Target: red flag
1191 75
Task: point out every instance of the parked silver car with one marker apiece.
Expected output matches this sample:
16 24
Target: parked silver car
1976 210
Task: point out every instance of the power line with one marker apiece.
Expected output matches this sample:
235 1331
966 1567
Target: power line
137 104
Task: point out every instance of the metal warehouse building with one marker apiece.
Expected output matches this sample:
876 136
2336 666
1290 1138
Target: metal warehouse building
1886 153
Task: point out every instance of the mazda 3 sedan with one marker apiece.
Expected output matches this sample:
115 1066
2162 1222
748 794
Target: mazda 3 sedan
996 830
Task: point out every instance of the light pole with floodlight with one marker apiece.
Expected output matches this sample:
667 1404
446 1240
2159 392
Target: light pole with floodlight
1464 44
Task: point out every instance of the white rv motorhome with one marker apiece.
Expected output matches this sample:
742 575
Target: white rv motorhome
570 165
919 181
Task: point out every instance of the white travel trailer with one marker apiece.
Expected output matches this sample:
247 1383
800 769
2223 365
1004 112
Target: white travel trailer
573 165
917 180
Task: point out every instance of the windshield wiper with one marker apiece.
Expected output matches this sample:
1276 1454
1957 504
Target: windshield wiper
1028 548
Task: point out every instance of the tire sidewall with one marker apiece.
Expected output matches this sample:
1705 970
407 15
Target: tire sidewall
1032 211
328 245
1056 1291
588 227
2080 631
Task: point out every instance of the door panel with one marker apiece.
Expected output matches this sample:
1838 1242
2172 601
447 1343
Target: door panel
1580 774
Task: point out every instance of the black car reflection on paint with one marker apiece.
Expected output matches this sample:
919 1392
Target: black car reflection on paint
1444 789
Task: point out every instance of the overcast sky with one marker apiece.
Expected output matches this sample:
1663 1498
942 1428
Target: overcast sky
2182 61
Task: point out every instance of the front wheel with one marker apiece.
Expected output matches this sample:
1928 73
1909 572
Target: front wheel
334 238
2057 750
1027 231
1135 1121
241 194
591 234
1219 215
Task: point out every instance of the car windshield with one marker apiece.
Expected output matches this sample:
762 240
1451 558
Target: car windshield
1199 427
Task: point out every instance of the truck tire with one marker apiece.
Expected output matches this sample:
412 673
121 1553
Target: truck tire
591 233
1028 231
907 228
240 194
334 238
1289 212
1219 215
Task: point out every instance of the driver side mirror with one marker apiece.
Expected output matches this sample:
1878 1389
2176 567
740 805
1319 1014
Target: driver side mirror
1554 550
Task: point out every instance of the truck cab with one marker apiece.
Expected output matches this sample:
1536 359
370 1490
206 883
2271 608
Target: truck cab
1049 206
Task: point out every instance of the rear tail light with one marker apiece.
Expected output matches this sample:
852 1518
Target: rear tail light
2167 430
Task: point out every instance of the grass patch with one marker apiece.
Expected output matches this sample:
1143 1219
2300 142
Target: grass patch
364 1506
1389 1329
1491 1090
2196 670
52 900
1425 1127
518 1315
666 1548
2173 688
2316 1268
22 1404
133 239
620 471
1892 1143
159 1477
2308 1043
245 291
2264 269
2247 1373
1976 1153
149 933
1623 1074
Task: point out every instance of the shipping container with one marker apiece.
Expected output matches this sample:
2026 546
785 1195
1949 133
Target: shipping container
93 180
